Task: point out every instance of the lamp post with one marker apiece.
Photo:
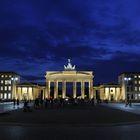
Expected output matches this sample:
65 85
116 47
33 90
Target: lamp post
127 96
14 81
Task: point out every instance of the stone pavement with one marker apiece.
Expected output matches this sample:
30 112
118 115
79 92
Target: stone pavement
73 115
135 108
6 107
101 122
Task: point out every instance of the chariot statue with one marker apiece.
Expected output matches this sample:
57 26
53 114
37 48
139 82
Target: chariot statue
69 66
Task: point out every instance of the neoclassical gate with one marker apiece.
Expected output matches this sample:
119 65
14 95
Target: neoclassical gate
69 75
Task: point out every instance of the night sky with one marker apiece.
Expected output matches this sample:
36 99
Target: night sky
99 35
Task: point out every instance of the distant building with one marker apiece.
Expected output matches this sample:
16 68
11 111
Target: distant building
29 91
130 85
110 92
8 81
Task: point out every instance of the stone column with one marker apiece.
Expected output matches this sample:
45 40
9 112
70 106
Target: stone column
48 89
74 89
63 89
17 94
28 93
90 89
82 89
55 89
33 94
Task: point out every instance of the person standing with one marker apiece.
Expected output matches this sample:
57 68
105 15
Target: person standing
14 102
18 103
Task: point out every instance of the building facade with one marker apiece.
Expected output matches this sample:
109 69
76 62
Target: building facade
8 81
69 75
130 85
29 91
110 92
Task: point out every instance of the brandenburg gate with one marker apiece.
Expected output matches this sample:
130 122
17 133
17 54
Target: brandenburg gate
69 75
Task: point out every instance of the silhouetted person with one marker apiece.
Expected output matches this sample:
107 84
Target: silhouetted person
26 107
41 102
18 102
36 104
46 103
51 102
14 102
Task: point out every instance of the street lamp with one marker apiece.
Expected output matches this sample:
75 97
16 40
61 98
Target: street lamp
127 79
14 79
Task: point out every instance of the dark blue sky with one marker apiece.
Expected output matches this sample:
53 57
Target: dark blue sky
40 35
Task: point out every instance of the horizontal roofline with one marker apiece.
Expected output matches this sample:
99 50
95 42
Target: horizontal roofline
8 72
129 73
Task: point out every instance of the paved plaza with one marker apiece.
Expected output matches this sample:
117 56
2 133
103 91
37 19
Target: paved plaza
71 122
134 108
8 106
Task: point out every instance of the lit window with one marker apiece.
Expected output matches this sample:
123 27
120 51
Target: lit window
2 76
5 75
5 96
112 90
9 87
10 76
136 88
1 88
5 88
106 90
139 76
139 82
1 81
135 76
9 95
7 82
139 88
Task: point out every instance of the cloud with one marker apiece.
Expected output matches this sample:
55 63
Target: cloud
36 36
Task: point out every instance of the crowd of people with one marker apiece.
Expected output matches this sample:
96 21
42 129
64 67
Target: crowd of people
60 102
39 103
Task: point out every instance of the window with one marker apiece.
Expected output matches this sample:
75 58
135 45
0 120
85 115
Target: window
136 88
106 90
9 88
1 81
135 76
10 76
1 88
111 90
7 82
5 87
136 82
139 88
5 96
9 95
2 76
5 75
139 76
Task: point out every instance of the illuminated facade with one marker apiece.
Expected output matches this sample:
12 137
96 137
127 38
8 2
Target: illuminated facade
29 91
69 75
130 85
8 81
110 92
